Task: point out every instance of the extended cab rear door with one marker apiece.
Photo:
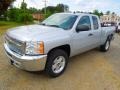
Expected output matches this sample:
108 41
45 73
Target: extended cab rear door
96 31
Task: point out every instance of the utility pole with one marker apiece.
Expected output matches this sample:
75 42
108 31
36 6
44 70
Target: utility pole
45 11
24 10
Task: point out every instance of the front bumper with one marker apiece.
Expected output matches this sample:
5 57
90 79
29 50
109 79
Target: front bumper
29 63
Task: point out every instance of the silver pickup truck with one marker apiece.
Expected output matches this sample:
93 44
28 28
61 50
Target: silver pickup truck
48 45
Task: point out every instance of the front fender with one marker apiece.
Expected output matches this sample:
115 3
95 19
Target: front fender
56 42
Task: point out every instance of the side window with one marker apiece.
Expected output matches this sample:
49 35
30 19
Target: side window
85 20
95 23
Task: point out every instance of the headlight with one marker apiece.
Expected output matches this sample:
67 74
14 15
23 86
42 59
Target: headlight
34 48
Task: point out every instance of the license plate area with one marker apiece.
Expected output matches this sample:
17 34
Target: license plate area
15 63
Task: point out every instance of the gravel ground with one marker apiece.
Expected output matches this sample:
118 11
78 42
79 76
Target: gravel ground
92 70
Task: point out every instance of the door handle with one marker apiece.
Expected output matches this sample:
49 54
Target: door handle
90 34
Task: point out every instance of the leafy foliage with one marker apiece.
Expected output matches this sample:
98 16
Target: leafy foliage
20 15
23 14
96 12
25 17
60 8
108 12
4 4
23 5
54 9
34 10
13 14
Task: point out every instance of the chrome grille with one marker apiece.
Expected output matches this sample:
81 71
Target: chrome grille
15 45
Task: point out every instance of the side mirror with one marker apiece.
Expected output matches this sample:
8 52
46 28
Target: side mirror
82 28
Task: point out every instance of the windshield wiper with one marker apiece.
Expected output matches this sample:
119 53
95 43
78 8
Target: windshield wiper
50 25
54 26
42 24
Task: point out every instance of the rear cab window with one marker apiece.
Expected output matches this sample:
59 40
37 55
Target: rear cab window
95 23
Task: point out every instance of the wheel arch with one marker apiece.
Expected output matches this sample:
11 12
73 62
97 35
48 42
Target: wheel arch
110 37
65 48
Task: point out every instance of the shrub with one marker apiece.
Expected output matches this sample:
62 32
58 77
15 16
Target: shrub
19 15
13 14
24 17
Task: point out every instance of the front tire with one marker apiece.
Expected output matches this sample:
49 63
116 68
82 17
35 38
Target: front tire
56 63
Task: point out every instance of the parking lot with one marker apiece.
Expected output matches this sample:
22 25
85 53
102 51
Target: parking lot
92 70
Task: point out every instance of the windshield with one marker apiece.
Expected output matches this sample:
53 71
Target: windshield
64 21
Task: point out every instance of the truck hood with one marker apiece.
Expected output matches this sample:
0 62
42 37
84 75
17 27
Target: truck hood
34 32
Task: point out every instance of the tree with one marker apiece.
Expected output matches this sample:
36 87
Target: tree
23 5
66 8
4 4
48 13
24 16
13 14
33 10
51 9
101 14
20 15
108 13
60 8
96 12
55 9
113 13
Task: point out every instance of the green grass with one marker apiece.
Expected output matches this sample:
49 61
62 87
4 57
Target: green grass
5 25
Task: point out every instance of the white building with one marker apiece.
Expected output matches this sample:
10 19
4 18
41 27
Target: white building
112 18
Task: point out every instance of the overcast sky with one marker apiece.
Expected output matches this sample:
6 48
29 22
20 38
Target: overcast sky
77 5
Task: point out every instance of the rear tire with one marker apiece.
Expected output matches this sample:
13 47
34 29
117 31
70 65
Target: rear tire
106 46
56 63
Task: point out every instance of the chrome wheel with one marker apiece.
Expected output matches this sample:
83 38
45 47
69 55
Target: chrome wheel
107 45
58 64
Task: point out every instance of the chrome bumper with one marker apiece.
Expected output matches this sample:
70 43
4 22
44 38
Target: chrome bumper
29 63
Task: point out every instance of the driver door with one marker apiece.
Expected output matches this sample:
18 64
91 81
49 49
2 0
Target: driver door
82 40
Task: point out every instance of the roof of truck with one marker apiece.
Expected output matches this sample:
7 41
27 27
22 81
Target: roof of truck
78 14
